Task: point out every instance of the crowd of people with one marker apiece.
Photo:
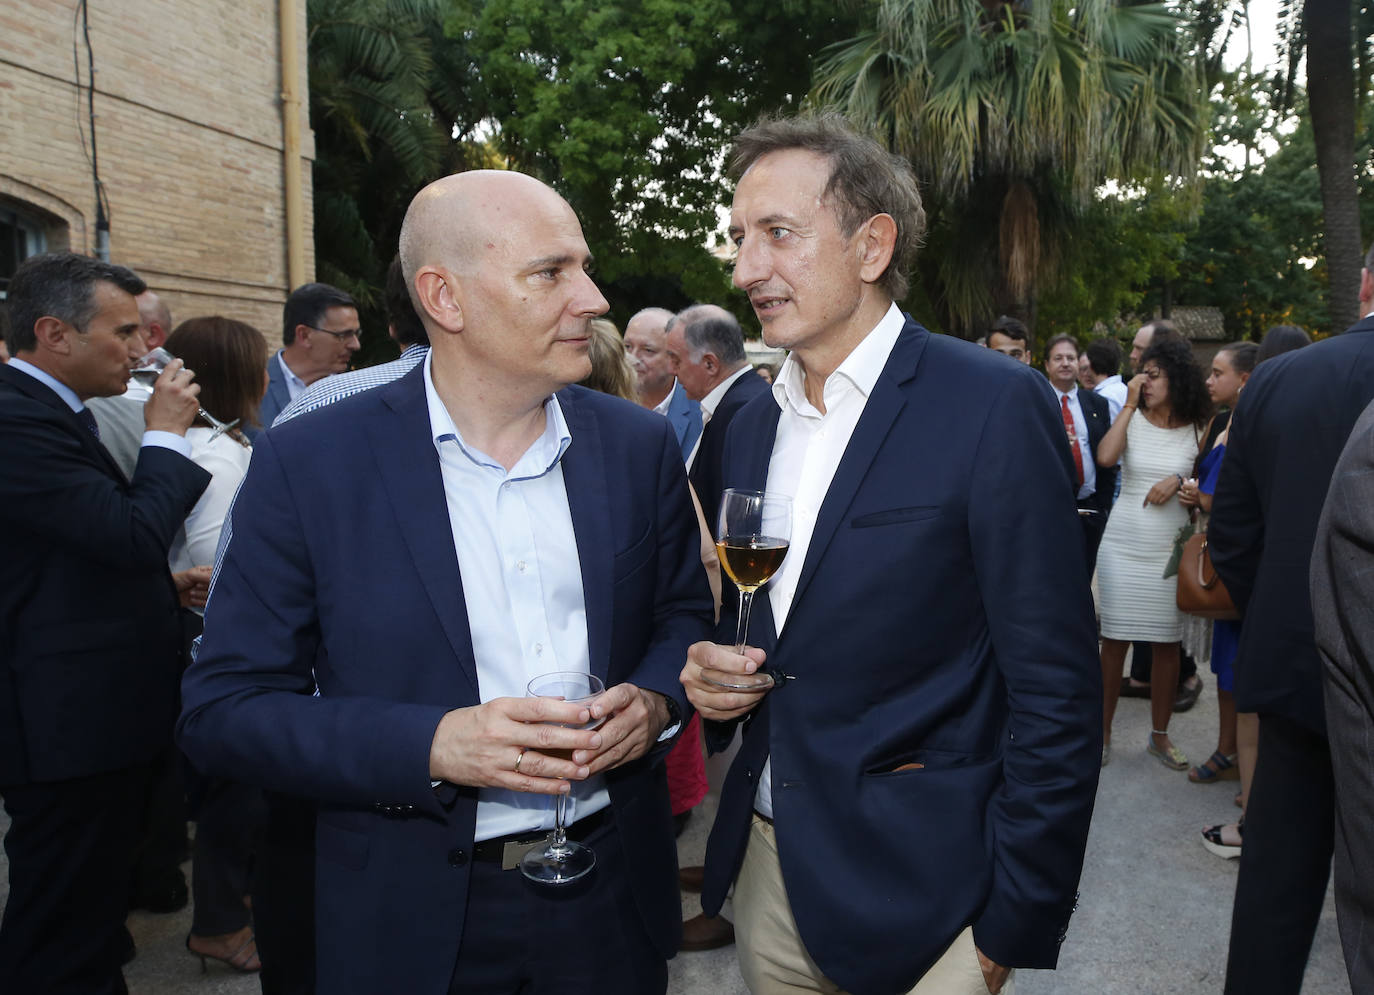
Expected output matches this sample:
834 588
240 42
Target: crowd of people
303 607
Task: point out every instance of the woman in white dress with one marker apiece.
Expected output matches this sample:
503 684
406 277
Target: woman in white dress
230 360
1156 438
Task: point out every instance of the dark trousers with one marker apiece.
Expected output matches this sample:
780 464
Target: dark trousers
229 829
1285 862
70 847
284 897
511 922
1094 523
162 846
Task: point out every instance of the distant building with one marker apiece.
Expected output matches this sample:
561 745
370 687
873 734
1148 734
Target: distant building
189 121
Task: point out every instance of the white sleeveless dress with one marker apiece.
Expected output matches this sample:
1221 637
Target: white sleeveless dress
1135 599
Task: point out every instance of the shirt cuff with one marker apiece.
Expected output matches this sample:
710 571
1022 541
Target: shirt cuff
168 440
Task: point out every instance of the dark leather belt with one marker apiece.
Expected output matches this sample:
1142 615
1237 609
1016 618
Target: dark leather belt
500 849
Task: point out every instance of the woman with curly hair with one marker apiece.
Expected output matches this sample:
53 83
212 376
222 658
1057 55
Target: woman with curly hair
1156 438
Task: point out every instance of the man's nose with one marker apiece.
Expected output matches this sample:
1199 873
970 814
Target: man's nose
749 265
589 298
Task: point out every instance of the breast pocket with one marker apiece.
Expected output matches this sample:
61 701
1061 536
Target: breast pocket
635 556
896 516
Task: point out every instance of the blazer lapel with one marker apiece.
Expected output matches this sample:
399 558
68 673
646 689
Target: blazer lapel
584 478
404 450
884 404
40 391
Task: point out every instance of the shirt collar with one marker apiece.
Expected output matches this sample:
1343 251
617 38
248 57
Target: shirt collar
662 406
1071 393
861 367
711 401
290 374
414 349
541 457
68 395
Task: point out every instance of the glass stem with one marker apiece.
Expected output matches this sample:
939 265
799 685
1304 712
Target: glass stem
560 830
746 601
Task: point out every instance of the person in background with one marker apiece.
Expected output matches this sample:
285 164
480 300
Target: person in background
1280 339
611 371
229 358
319 336
1157 447
1010 337
646 345
1104 359
767 371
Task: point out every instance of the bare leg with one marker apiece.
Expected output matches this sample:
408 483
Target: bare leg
1226 715
1247 748
1163 688
1113 659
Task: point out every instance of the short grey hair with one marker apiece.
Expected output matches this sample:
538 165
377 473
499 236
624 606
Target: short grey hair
708 328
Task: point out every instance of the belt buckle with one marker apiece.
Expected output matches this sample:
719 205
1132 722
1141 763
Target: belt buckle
514 851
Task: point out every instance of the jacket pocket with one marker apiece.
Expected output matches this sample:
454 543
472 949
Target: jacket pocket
896 516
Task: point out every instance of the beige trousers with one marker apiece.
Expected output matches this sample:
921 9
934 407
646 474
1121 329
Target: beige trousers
772 958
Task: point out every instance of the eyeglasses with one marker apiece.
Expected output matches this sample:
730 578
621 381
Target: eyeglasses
1153 374
352 333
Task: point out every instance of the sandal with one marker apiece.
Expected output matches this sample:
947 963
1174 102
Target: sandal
244 959
1219 767
1212 840
1171 757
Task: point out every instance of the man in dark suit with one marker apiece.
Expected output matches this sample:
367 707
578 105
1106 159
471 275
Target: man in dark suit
1343 610
646 346
910 803
319 336
1293 419
707 348
402 564
90 634
1086 417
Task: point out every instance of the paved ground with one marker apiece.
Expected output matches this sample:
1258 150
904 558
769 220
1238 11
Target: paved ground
1153 917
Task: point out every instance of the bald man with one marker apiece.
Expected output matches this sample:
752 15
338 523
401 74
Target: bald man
646 345
403 564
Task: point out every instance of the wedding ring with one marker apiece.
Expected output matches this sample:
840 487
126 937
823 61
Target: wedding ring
518 759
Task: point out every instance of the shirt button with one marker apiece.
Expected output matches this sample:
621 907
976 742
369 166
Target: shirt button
538 649
457 858
520 565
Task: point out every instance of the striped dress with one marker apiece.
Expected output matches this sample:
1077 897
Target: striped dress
1136 600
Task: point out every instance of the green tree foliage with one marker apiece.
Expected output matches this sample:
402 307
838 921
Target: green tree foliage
627 109
1014 114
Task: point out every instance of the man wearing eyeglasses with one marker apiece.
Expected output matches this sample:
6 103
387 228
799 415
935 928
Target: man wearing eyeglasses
319 336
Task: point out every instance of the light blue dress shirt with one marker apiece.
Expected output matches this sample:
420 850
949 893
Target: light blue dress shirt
522 581
167 440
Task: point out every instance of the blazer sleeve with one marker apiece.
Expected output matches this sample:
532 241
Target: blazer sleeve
247 700
1038 605
1235 532
55 487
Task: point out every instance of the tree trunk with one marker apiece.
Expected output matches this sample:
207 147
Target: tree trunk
1331 99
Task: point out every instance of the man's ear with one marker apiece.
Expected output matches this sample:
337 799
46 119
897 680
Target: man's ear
435 288
710 363
52 335
877 241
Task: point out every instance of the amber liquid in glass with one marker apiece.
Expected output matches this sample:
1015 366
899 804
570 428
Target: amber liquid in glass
750 562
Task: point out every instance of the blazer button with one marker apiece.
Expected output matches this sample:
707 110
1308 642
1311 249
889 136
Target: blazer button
457 858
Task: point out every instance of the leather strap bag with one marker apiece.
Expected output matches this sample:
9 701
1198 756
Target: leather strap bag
1200 590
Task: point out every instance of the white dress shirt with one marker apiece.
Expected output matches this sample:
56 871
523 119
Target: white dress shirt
522 583
294 384
662 406
1115 392
709 403
806 452
167 440
1080 429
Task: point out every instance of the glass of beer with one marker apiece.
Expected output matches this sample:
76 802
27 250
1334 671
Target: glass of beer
752 534
559 860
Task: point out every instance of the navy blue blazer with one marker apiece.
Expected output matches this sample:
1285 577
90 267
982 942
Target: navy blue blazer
943 618
342 573
90 627
1291 423
278 396
705 475
684 414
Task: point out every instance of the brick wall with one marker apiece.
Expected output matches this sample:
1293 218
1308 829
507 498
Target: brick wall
189 132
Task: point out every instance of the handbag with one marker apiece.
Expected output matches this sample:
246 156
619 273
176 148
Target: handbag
1200 589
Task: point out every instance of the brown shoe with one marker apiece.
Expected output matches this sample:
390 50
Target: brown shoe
690 878
703 933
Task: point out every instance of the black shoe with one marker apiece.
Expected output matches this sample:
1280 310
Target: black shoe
1188 694
706 933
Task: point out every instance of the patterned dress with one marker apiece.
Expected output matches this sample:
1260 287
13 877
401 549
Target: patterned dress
1137 602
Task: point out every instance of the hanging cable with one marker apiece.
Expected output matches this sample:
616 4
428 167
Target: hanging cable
81 30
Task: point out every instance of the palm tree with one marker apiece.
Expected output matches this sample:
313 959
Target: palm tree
1013 113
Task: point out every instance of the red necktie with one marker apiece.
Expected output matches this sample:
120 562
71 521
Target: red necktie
1073 437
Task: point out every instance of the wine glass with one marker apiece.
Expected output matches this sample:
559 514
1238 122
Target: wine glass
559 860
150 367
752 535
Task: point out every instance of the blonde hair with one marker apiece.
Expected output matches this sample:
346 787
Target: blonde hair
611 373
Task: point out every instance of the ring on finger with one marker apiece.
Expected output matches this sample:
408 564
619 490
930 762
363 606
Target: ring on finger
520 757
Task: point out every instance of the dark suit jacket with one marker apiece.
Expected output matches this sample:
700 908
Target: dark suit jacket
1288 431
1099 417
278 396
341 573
90 629
684 414
942 617
1343 609
705 475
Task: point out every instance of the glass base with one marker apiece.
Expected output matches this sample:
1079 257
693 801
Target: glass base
547 863
760 680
